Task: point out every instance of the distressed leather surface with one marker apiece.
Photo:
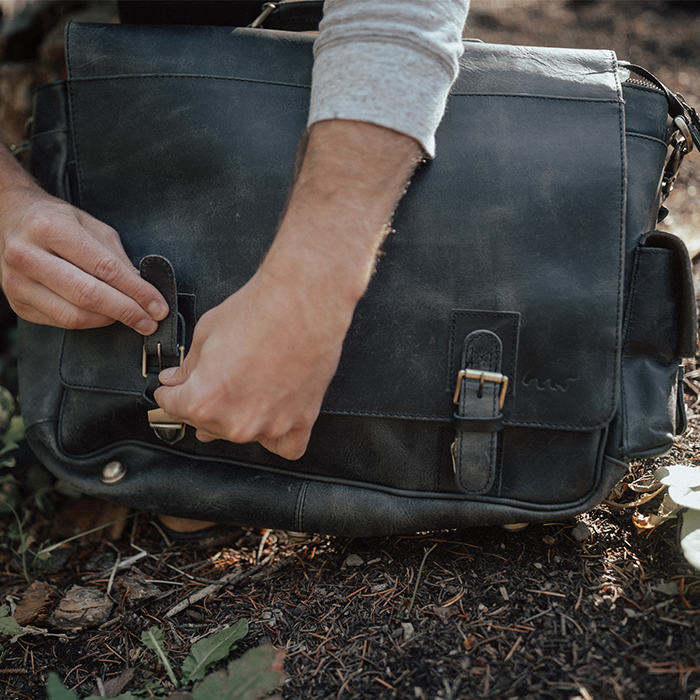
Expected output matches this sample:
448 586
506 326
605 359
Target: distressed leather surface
528 225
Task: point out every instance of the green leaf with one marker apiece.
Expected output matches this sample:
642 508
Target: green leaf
154 639
690 536
7 406
678 475
9 494
14 434
206 652
8 625
152 689
255 674
55 690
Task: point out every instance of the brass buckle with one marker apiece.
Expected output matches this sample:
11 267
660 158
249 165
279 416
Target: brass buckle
682 143
482 377
267 9
167 429
159 347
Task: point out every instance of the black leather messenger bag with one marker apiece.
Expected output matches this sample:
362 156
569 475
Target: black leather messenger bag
518 344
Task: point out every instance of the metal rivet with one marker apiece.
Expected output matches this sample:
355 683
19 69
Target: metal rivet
113 473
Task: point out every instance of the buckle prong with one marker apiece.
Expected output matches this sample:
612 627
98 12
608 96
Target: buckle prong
482 377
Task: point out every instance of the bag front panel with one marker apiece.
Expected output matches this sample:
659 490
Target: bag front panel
564 230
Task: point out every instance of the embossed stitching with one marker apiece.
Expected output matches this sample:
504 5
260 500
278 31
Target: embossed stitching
300 507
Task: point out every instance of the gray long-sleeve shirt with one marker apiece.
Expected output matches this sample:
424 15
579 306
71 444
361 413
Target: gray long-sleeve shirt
389 62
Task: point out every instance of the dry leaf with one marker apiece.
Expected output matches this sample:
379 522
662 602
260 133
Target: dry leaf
116 686
81 608
35 604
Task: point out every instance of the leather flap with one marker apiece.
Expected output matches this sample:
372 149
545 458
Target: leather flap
683 298
520 216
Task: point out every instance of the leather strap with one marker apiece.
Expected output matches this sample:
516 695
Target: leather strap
159 272
161 349
478 418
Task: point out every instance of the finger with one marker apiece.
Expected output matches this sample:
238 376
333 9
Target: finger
204 436
290 446
170 399
79 289
110 264
172 376
40 305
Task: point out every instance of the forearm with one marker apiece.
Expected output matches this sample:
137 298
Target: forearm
351 179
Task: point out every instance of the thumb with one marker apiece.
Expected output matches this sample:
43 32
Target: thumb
173 376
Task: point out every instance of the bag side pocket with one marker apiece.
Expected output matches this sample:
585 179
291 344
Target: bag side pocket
660 327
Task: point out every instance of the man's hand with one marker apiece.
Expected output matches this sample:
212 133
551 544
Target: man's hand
260 363
60 266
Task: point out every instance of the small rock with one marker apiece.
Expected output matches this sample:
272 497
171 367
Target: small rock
81 608
581 532
408 631
354 560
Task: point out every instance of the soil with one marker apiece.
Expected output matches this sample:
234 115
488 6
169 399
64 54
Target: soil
570 610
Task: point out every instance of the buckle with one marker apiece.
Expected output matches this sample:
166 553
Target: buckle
159 349
682 144
267 9
167 429
482 377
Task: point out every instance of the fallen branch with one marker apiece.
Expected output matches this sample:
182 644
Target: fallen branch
230 579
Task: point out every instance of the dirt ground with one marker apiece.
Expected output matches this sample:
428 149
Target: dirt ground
565 610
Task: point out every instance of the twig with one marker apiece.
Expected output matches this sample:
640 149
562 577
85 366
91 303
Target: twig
119 565
111 578
263 540
426 552
48 550
231 579
513 649
534 617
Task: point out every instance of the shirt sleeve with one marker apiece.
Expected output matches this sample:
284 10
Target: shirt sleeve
389 62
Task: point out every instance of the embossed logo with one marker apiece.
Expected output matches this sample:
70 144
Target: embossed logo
550 377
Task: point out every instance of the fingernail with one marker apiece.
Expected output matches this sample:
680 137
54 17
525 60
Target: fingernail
158 310
167 373
147 326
